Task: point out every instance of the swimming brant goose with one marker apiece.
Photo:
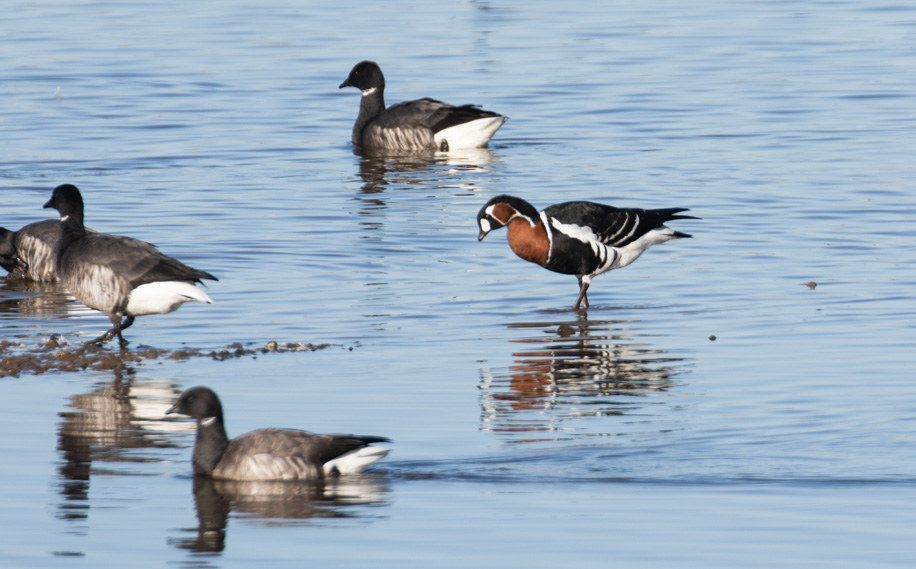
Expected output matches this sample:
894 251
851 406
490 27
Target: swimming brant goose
269 454
424 124
118 275
578 238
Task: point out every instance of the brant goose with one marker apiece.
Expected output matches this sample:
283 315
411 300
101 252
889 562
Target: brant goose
37 246
578 238
9 256
118 275
424 124
269 454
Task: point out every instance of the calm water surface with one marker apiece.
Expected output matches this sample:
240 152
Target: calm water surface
525 434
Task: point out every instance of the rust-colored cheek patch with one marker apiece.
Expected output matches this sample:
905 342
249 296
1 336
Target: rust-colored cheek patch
503 212
529 243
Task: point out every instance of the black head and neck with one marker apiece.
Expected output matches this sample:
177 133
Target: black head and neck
68 202
367 77
201 403
499 211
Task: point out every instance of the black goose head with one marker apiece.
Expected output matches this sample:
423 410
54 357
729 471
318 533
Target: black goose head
500 210
66 199
199 403
9 257
364 76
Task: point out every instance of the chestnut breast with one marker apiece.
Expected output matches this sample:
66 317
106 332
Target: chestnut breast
527 241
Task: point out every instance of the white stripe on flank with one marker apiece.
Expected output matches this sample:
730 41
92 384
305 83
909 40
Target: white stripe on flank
583 234
545 222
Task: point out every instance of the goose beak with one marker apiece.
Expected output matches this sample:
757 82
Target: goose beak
48 204
482 234
173 409
345 84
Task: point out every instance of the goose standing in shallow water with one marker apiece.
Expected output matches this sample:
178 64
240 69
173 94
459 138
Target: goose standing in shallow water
269 454
10 260
118 275
424 124
37 246
578 238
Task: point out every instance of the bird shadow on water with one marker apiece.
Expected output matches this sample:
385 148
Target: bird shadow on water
34 298
582 397
379 170
116 428
276 504
570 372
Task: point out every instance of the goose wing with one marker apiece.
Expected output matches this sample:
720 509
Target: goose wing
429 113
615 227
135 261
422 113
284 454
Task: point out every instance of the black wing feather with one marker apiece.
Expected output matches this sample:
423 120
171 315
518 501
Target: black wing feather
137 262
615 227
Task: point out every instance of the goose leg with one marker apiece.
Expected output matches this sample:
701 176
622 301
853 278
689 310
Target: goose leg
583 290
108 335
114 331
128 321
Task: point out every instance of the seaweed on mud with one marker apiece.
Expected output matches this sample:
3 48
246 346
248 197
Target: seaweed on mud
55 354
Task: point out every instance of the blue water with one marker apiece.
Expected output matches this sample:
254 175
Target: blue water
525 434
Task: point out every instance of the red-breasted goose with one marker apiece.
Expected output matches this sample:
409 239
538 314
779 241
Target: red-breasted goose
578 238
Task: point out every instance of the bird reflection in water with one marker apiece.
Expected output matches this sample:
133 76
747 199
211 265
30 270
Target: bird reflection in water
23 296
568 371
411 169
275 503
114 423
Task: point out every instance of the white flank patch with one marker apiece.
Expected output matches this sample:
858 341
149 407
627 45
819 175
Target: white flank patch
632 251
355 461
163 297
472 134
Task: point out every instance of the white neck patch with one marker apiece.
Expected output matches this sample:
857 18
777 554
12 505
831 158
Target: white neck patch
369 91
65 218
207 421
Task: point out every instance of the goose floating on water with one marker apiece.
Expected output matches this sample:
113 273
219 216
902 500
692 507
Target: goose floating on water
424 124
269 454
